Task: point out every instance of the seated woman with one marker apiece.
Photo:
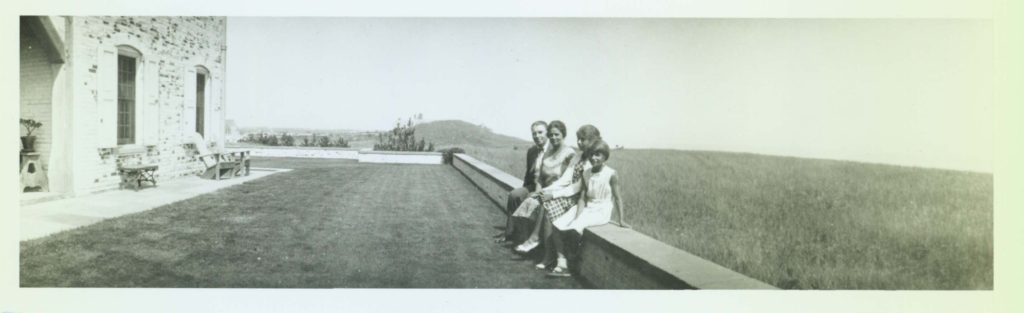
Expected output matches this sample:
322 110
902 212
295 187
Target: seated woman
549 167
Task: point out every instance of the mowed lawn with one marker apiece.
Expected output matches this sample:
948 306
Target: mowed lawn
806 223
326 224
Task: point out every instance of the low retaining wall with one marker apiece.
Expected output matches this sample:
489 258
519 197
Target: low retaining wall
322 153
618 258
400 157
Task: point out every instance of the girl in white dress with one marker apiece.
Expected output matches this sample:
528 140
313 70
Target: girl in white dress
600 193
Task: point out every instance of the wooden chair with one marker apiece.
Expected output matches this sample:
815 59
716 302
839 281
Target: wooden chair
224 165
220 165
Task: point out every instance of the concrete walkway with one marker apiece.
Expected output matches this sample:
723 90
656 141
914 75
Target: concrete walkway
42 219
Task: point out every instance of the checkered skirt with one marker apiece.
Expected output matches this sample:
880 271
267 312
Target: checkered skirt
558 206
555 208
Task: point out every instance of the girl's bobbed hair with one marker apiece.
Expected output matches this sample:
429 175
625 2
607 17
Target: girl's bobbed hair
602 147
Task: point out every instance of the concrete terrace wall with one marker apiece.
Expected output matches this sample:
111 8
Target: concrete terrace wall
296 152
400 157
618 258
172 48
364 156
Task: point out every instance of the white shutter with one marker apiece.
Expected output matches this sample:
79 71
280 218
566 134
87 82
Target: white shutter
213 112
106 101
189 115
150 120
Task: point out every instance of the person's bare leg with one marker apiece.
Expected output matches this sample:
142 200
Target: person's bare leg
542 219
534 239
550 247
554 246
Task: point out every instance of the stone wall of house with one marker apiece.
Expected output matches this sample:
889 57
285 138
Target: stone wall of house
171 48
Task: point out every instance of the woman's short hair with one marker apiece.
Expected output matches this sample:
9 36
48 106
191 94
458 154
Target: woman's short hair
556 124
602 147
588 131
541 123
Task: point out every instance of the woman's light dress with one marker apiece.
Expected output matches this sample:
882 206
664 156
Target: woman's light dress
550 175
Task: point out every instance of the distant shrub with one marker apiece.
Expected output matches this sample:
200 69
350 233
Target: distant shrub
341 143
448 155
287 140
400 138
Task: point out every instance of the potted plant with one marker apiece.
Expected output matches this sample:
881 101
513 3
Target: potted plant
28 141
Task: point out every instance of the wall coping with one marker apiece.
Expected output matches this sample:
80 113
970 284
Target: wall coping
230 146
506 180
399 152
679 269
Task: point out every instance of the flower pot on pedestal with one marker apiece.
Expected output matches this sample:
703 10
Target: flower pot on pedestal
28 143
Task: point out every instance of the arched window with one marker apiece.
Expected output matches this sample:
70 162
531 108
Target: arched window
202 77
127 68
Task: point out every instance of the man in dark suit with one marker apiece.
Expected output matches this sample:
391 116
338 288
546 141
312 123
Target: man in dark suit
539 131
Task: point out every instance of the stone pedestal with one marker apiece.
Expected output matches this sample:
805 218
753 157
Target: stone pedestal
32 173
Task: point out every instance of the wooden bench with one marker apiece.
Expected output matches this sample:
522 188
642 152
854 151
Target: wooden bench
138 174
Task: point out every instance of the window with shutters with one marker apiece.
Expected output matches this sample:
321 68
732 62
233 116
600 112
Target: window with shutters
127 63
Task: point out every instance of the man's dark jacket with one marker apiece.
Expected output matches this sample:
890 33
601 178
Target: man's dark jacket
531 160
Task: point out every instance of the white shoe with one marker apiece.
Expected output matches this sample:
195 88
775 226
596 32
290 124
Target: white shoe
561 270
527 246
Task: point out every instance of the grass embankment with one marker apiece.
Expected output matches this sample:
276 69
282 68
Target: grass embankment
458 133
806 223
327 224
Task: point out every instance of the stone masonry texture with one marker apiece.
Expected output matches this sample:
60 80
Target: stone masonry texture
172 49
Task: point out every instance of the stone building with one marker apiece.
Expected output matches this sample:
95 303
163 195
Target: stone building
121 90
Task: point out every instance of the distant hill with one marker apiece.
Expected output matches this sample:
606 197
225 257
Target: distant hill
297 130
444 134
456 133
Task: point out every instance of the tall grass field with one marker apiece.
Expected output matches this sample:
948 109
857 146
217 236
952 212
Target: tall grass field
806 223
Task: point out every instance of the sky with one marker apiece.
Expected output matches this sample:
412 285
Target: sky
898 91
